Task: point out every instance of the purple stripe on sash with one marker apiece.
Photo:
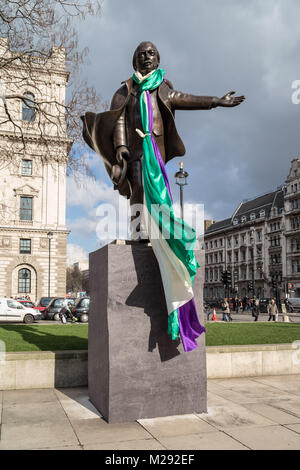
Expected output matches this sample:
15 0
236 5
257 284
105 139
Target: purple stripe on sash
189 325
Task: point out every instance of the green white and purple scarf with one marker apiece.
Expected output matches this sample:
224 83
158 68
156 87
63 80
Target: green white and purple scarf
171 238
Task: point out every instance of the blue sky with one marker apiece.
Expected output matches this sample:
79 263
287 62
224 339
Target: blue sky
207 47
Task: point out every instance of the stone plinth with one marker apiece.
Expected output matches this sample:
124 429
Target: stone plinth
135 370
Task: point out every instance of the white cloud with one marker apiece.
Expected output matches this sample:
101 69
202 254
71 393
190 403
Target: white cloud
75 253
88 192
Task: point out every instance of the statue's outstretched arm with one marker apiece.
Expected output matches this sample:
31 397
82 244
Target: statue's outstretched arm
181 100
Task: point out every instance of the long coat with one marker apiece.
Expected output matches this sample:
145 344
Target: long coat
98 129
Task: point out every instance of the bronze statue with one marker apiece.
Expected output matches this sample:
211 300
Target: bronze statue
113 134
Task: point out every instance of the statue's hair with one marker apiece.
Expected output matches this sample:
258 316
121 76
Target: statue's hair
137 50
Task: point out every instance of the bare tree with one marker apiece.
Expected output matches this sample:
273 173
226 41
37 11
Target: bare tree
37 37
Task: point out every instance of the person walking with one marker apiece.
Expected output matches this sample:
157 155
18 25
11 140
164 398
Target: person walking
255 311
272 310
207 308
226 310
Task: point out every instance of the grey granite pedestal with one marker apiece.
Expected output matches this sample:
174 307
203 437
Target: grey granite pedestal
135 370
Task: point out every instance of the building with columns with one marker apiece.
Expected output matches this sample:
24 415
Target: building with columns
259 243
33 232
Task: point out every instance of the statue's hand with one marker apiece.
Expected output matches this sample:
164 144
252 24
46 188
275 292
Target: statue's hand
122 152
228 101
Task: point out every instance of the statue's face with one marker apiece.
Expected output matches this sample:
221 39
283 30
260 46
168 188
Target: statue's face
147 59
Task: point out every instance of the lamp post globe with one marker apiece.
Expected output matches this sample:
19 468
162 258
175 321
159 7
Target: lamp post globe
181 180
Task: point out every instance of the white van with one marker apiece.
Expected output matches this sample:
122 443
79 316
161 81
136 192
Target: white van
12 310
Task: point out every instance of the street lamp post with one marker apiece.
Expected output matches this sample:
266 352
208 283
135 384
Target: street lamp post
252 242
49 235
181 180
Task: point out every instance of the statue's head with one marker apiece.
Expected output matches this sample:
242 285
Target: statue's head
145 58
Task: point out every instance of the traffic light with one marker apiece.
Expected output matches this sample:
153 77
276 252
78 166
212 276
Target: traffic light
250 286
274 283
229 279
224 277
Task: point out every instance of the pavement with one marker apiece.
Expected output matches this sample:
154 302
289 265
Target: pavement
244 413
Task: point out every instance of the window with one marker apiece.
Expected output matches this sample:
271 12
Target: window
262 213
244 218
25 208
296 266
252 216
28 107
259 235
235 222
27 167
24 279
14 304
25 246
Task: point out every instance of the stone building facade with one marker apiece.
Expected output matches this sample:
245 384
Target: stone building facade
33 232
260 243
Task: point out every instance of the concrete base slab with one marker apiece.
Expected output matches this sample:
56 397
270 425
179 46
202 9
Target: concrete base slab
135 369
227 426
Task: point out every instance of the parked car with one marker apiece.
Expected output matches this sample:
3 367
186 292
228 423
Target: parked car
28 303
13 311
294 304
51 312
43 303
81 309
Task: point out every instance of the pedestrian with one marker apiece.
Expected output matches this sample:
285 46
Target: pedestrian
66 313
207 311
272 310
226 310
255 311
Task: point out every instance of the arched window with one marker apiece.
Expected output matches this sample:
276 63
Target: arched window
24 281
28 107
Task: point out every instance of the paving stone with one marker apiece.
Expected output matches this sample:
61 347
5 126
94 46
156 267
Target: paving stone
29 396
36 436
252 393
290 406
273 413
90 431
231 415
206 441
294 427
267 438
143 444
82 408
34 413
175 425
215 400
286 383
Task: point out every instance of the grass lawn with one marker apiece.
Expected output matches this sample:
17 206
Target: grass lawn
63 337
44 337
224 334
